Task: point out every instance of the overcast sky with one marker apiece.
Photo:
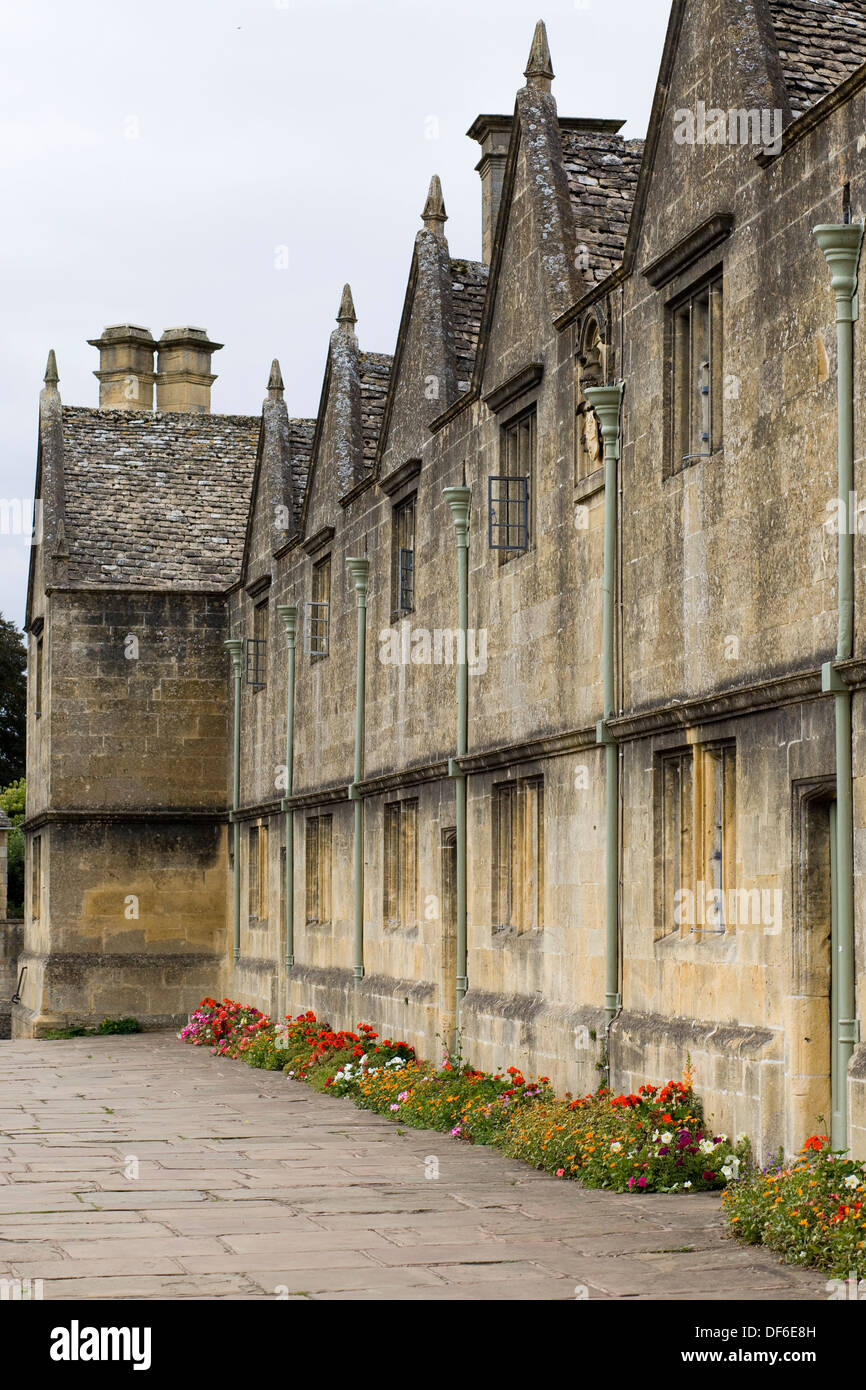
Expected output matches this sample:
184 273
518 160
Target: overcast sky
157 157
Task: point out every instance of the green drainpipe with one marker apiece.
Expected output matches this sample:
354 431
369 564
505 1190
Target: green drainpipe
606 401
359 569
458 499
236 646
289 614
841 246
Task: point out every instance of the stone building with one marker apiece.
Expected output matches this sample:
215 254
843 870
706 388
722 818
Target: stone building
542 636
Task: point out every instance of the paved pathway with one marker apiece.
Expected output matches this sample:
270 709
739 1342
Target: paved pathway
144 1168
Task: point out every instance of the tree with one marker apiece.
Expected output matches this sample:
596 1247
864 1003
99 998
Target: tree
13 702
12 802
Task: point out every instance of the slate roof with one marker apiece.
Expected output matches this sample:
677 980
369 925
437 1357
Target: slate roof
157 500
820 43
375 371
602 171
301 443
468 289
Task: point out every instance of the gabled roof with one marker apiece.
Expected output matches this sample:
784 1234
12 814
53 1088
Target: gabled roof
468 290
821 42
157 500
602 171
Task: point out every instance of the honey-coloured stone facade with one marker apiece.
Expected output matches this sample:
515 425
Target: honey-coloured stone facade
598 250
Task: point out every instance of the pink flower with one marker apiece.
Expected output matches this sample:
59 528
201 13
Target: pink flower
560 1172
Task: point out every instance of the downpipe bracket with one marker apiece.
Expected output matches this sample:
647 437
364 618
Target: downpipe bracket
831 681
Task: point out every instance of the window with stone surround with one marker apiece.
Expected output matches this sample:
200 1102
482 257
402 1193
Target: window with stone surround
257 872
318 631
400 889
403 583
257 648
36 877
38 682
510 491
676 836
695 378
318 868
695 856
518 855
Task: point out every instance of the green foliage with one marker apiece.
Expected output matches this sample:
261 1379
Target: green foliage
13 701
108 1026
812 1209
319 1075
12 800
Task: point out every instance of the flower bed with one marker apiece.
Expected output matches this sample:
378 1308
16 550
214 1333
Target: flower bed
654 1141
811 1210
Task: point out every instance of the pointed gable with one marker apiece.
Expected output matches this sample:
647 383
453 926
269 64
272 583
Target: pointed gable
282 464
719 61
567 197
348 422
437 339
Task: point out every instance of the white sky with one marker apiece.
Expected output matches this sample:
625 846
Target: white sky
155 155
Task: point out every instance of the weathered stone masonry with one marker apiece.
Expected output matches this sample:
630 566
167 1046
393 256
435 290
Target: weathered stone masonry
180 528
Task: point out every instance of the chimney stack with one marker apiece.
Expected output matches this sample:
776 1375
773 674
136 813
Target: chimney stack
493 134
184 376
125 367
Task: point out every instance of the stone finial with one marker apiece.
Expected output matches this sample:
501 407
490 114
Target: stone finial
275 382
434 215
539 69
51 378
347 313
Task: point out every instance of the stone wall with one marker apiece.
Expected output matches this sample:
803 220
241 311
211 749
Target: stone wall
129 810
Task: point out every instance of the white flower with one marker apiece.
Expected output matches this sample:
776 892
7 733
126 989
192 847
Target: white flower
721 1138
667 1137
852 1180
686 1184
706 1146
655 1136
615 1147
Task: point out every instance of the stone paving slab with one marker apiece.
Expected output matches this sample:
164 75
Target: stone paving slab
250 1186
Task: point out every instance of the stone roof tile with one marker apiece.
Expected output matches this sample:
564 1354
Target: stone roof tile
468 288
821 42
375 371
157 499
602 171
